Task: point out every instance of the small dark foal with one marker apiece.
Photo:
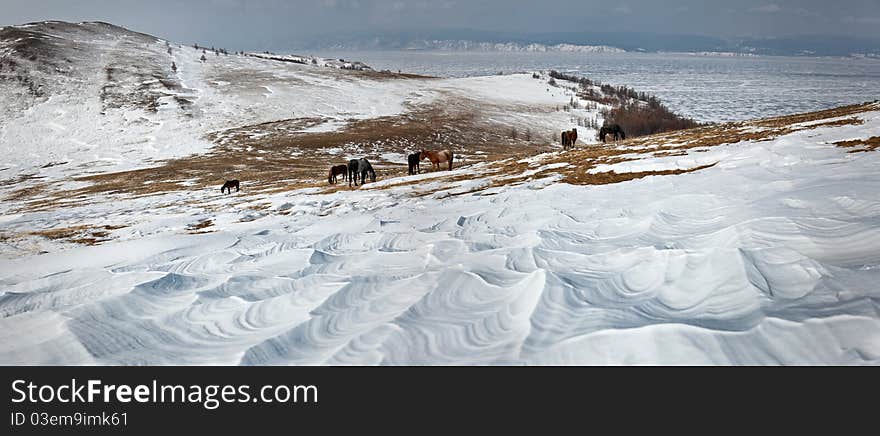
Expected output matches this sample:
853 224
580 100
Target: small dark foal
229 185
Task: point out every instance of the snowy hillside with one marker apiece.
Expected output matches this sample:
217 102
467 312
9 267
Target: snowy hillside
108 97
92 97
744 243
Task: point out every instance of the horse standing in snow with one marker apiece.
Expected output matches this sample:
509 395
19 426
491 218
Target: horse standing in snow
611 129
360 166
229 185
335 171
413 161
438 156
569 137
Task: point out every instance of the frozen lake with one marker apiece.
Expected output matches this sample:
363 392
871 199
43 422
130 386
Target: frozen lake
708 88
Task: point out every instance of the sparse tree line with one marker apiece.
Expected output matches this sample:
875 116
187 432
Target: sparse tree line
203 57
205 50
638 113
217 51
622 92
524 135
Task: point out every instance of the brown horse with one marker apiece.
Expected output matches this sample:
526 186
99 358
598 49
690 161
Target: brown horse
569 137
335 171
438 156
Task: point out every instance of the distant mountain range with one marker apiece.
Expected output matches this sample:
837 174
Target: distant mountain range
467 40
467 45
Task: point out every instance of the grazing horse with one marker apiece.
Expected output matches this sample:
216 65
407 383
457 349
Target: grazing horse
335 171
229 185
413 161
438 156
569 137
612 129
352 171
360 166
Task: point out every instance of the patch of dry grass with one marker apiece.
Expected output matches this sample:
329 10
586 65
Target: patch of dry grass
61 233
869 144
82 234
613 177
837 112
729 133
276 156
678 143
505 169
199 227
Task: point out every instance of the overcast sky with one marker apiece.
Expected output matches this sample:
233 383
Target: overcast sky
257 24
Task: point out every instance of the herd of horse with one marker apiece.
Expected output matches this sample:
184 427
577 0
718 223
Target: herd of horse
358 169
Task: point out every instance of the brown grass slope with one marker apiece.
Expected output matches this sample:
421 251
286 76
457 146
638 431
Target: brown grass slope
283 159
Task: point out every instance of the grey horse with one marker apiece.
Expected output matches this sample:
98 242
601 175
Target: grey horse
360 166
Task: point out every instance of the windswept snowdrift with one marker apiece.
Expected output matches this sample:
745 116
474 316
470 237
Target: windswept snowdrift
754 243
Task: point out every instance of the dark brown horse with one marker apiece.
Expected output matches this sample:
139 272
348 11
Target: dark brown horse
335 171
438 156
229 185
413 161
569 138
614 130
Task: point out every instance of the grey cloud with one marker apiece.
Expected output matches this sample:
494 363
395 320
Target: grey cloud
768 8
256 24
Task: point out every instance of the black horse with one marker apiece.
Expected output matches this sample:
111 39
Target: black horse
413 161
352 171
611 129
229 185
360 166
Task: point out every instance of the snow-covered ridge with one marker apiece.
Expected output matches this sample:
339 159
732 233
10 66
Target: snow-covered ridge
314 60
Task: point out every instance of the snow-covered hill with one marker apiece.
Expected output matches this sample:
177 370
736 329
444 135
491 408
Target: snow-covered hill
746 243
92 97
101 96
